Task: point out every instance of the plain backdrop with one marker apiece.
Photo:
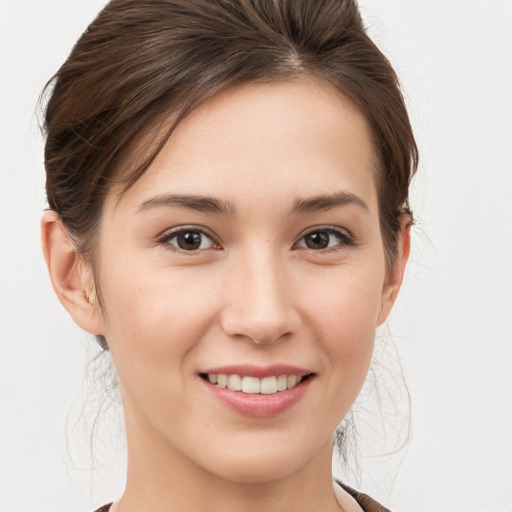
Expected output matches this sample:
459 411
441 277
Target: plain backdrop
452 325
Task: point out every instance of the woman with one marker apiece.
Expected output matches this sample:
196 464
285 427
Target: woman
228 213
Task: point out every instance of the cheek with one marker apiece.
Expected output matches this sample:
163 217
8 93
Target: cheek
155 314
345 319
153 322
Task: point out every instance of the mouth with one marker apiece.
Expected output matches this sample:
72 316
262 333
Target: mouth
251 385
256 391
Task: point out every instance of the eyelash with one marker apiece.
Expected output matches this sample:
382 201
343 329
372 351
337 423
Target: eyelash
344 239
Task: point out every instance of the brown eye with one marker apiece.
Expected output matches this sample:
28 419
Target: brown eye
189 240
317 240
326 238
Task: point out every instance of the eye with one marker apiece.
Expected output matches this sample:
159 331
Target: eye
188 239
325 238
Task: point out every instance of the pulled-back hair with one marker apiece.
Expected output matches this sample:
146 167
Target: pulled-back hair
142 62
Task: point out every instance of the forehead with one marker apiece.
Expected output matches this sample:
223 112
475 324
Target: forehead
294 138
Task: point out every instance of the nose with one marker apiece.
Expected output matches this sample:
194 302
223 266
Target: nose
259 300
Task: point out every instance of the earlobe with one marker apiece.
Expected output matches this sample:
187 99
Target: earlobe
71 281
396 274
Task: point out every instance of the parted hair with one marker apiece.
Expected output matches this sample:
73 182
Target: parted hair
143 65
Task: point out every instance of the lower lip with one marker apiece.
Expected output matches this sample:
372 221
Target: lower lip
258 405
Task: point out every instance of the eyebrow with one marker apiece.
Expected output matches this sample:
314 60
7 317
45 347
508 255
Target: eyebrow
199 203
326 202
213 205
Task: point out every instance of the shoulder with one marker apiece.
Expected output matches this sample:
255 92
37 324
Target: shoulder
364 501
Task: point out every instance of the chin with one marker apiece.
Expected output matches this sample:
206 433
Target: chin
255 470
263 464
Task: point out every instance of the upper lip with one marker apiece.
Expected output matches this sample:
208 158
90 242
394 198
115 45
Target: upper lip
248 370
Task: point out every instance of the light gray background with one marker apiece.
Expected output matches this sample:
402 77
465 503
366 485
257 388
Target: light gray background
452 325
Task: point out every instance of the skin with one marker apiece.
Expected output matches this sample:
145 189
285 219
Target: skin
253 292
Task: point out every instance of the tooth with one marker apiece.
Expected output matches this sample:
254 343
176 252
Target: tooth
282 382
235 382
268 385
251 385
292 381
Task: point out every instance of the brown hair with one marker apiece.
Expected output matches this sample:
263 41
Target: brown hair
143 61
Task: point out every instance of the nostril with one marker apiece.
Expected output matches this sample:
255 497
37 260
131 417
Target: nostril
266 340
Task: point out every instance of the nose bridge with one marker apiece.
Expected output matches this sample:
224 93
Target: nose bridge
259 304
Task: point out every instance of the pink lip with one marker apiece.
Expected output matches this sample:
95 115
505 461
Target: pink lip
259 371
258 405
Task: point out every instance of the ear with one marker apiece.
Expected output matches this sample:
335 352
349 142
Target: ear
71 278
396 273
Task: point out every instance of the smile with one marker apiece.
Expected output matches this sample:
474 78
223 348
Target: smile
254 385
256 391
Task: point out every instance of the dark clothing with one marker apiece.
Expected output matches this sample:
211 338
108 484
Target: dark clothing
364 501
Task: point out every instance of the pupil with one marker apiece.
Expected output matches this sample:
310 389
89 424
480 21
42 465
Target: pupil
318 240
190 240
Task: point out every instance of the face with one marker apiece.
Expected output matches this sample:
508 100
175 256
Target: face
248 255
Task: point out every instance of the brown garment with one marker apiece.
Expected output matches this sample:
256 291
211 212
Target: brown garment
364 501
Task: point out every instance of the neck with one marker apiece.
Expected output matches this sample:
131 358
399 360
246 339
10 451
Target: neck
162 479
